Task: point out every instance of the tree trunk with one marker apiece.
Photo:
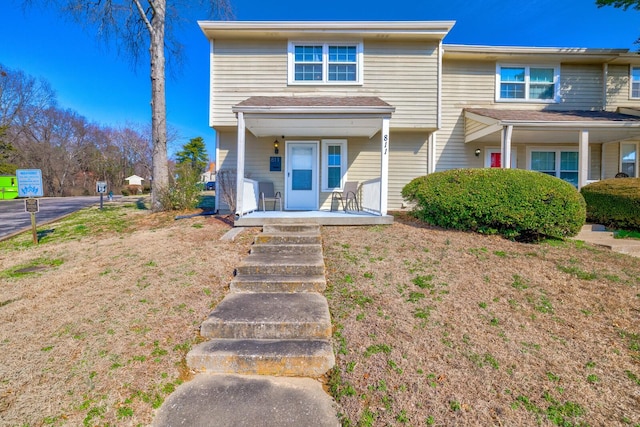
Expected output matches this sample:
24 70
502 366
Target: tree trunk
160 179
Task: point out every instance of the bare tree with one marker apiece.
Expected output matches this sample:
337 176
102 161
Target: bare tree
133 25
22 99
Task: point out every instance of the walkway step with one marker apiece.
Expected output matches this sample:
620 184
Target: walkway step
292 358
291 228
277 283
283 248
237 400
282 264
289 238
270 316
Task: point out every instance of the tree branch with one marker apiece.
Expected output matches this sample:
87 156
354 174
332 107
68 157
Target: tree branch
143 15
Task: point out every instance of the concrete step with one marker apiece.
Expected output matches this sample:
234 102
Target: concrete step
291 228
288 238
276 283
241 400
284 248
290 358
282 264
269 316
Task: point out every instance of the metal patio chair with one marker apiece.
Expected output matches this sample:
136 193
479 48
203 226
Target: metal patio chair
347 197
267 193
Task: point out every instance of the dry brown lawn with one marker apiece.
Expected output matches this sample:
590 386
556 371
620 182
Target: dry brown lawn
432 327
448 328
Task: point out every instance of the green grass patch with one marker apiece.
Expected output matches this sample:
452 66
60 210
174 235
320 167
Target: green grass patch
626 234
31 268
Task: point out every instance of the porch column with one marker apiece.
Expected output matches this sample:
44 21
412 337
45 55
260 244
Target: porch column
505 148
240 165
384 166
583 158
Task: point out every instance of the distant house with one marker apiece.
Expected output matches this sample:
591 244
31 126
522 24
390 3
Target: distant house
209 174
134 180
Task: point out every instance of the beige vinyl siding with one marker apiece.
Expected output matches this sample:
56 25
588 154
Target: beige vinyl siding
618 89
464 84
611 160
580 88
471 126
402 74
595 159
407 160
244 69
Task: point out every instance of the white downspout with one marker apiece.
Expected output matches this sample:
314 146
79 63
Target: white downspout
605 78
218 190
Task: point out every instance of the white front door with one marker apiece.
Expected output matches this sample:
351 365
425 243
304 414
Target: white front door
301 176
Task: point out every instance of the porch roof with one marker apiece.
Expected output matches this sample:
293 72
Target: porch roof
318 116
535 126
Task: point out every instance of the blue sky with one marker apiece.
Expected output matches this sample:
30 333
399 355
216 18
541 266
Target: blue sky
102 86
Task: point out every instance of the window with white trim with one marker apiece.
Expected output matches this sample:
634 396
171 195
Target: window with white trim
527 83
334 164
325 63
560 163
629 159
635 82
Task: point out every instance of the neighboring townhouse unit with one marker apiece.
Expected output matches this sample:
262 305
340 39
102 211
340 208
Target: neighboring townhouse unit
312 105
570 113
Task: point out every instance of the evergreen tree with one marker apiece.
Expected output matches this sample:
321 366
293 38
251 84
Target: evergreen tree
195 153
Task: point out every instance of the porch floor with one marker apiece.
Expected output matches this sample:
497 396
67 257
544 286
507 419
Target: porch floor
320 217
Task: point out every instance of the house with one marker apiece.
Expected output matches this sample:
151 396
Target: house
134 180
312 105
210 174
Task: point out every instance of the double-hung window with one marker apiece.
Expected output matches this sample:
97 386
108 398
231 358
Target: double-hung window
527 83
325 63
334 164
635 82
562 164
629 159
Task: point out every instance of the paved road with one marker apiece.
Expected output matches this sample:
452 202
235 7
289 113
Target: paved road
13 217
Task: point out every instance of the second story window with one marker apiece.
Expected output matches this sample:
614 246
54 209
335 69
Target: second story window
635 82
527 83
325 63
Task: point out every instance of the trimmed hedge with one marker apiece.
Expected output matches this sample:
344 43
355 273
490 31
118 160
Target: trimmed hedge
614 203
515 203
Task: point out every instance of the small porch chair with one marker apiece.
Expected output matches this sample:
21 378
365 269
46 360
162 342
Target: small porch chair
347 197
267 193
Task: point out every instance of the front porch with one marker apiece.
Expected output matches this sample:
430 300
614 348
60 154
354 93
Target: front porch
326 139
320 217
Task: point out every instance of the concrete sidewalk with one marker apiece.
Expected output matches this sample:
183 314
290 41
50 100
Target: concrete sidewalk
266 344
598 235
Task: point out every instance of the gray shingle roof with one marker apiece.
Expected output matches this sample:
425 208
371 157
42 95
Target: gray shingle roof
553 116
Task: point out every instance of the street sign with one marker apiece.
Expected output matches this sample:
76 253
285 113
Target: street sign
29 183
31 205
101 187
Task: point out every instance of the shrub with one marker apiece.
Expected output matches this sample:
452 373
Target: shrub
182 192
515 203
614 202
